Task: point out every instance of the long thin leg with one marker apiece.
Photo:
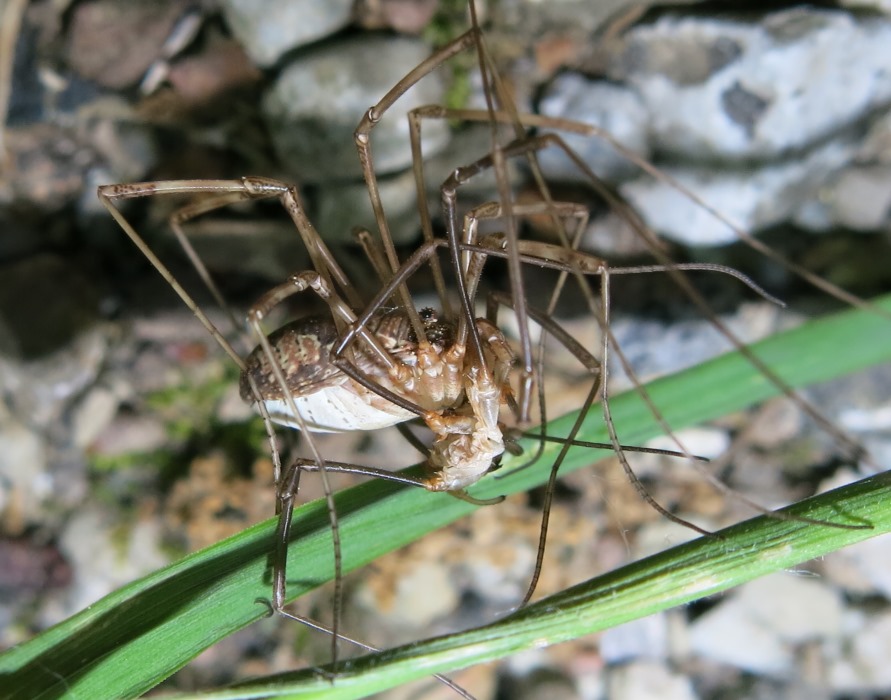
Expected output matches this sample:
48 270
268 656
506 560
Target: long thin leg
109 194
510 116
598 368
308 622
185 214
327 271
363 145
549 140
557 124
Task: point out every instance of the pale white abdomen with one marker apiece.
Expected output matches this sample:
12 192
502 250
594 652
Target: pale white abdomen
336 409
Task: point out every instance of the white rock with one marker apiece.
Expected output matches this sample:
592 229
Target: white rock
797 608
647 680
860 420
232 408
316 103
864 668
757 627
728 635
654 348
92 415
616 109
23 475
760 89
43 388
269 28
864 567
425 594
646 637
756 117
777 421
703 441
130 434
750 199
861 198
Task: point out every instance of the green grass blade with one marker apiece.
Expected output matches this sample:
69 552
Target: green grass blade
134 638
679 575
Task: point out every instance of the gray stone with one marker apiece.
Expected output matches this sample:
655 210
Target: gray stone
340 209
798 608
92 415
662 534
128 435
648 680
316 103
751 198
616 109
728 635
654 348
859 403
757 628
758 118
541 682
232 408
269 249
612 236
41 390
703 441
741 90
469 144
863 666
424 595
25 482
646 637
269 28
857 198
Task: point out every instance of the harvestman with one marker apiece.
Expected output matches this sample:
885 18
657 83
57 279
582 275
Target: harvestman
391 378
366 367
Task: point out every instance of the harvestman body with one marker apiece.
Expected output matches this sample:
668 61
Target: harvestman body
430 373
